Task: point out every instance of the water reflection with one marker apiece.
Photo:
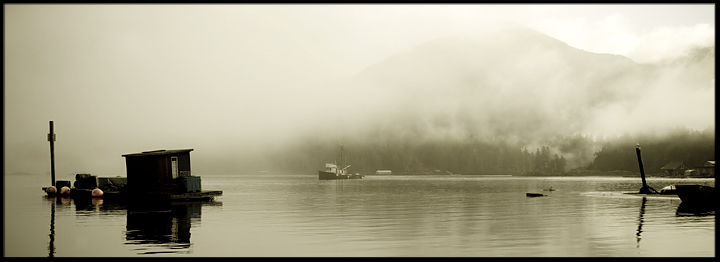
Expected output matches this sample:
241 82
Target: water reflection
694 210
166 227
150 228
55 201
51 245
388 216
640 221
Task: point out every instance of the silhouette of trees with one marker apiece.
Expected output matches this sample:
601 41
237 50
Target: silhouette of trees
499 156
429 157
682 145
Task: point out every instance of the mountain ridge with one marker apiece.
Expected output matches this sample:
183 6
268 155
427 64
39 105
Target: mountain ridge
518 85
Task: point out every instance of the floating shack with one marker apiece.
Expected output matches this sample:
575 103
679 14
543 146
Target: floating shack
161 170
163 175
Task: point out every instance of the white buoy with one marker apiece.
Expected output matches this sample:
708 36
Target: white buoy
51 190
97 192
65 190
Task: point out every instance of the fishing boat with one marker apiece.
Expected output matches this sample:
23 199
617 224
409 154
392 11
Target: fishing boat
332 171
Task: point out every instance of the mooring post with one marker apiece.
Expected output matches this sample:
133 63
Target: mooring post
51 138
645 188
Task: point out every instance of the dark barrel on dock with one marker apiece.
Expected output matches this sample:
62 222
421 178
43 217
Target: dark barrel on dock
85 181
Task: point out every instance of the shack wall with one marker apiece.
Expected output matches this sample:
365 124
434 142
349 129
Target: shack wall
153 170
144 171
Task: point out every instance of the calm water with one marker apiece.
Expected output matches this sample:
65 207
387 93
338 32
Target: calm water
298 215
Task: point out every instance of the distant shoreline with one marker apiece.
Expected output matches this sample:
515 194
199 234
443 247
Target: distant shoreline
572 174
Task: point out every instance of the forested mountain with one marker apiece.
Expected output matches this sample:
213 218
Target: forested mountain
691 147
502 157
511 100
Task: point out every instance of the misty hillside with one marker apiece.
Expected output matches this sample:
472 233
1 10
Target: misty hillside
511 100
513 85
500 82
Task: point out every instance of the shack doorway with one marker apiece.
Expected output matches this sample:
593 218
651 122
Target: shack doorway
174 166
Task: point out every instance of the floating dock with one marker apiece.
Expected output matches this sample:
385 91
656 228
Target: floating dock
158 175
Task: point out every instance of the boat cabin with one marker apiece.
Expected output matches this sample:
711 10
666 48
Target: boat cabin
150 169
332 168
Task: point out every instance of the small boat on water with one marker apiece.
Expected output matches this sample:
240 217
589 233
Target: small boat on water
333 172
533 194
697 195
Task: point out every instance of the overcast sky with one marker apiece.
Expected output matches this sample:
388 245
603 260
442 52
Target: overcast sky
103 72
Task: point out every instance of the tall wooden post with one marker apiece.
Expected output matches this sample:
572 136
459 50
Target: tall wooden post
51 138
640 162
645 188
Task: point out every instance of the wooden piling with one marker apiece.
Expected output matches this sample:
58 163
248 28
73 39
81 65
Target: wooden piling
640 162
645 188
51 138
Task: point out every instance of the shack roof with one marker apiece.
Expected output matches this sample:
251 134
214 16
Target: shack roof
674 166
159 152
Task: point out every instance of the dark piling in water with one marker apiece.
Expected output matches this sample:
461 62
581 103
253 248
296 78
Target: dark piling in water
645 189
51 138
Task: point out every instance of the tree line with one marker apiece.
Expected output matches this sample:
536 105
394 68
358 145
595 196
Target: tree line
431 157
691 147
500 156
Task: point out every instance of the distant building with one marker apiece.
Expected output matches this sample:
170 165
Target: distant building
674 169
706 170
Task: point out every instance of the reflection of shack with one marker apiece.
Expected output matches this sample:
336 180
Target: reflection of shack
706 170
161 171
674 169
167 227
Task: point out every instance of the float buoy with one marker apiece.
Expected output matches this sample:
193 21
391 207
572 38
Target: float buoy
51 190
97 192
65 190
